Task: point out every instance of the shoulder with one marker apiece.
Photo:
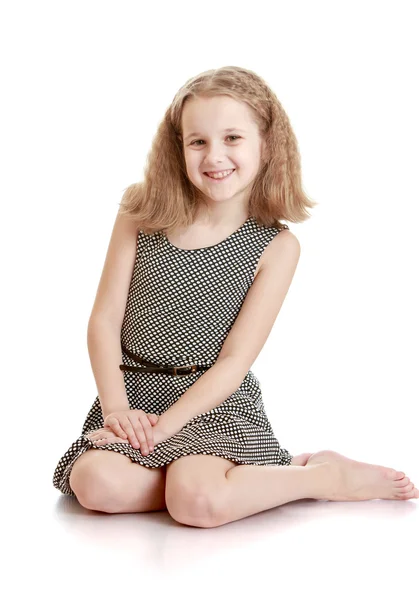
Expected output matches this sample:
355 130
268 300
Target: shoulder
284 247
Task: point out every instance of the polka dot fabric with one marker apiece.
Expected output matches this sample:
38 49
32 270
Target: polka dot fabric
180 308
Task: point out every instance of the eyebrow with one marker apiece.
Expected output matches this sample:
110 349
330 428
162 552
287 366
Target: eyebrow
224 131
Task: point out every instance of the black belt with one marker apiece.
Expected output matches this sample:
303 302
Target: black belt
153 368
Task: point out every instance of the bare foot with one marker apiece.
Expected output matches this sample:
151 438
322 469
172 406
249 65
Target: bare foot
363 481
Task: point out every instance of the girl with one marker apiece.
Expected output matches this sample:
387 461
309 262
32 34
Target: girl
197 269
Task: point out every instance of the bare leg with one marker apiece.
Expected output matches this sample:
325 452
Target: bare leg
252 488
109 482
326 476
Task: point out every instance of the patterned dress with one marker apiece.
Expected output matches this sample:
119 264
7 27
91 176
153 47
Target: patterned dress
180 308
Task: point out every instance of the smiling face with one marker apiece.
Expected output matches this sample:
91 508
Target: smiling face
219 134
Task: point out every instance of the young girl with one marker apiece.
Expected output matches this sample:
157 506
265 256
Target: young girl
197 269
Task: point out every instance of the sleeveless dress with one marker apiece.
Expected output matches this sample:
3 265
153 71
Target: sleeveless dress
180 308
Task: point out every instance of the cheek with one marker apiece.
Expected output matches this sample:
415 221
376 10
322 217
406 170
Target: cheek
251 164
192 164
244 160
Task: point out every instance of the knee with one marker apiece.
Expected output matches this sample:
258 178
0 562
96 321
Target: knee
93 485
192 507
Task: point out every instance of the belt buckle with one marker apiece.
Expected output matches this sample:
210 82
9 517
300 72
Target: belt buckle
176 374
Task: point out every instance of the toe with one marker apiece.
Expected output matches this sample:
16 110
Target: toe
397 474
407 495
406 490
402 482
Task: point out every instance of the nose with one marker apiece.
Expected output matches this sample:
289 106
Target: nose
214 154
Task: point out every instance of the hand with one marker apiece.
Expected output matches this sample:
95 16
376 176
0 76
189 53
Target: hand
105 435
136 425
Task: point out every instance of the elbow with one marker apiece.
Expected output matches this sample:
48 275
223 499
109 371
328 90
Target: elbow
98 320
236 368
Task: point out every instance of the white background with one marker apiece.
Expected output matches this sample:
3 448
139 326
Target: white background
84 87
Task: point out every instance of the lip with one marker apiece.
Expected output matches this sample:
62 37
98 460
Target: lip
220 180
220 171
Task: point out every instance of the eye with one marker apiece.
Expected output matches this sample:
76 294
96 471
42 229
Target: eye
229 136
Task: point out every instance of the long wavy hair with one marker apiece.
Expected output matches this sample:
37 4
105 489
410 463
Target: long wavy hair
166 198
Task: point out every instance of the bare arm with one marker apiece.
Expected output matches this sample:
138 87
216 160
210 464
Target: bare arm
104 343
210 390
104 329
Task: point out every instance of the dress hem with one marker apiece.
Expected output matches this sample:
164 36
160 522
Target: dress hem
83 443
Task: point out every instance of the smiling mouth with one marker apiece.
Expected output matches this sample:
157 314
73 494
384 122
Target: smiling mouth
220 175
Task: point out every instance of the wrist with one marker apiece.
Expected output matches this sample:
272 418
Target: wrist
165 427
159 435
111 409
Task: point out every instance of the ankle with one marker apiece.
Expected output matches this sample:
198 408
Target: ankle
326 480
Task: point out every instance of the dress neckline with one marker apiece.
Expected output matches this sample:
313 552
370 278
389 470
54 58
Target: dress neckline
242 226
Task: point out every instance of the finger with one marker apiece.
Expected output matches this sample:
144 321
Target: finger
111 440
148 430
131 432
97 433
118 431
142 425
153 418
139 421
115 425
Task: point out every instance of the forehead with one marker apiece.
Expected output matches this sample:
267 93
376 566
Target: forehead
216 113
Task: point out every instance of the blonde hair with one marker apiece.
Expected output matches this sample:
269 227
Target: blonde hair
166 197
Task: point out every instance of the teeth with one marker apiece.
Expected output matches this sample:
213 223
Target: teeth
221 174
